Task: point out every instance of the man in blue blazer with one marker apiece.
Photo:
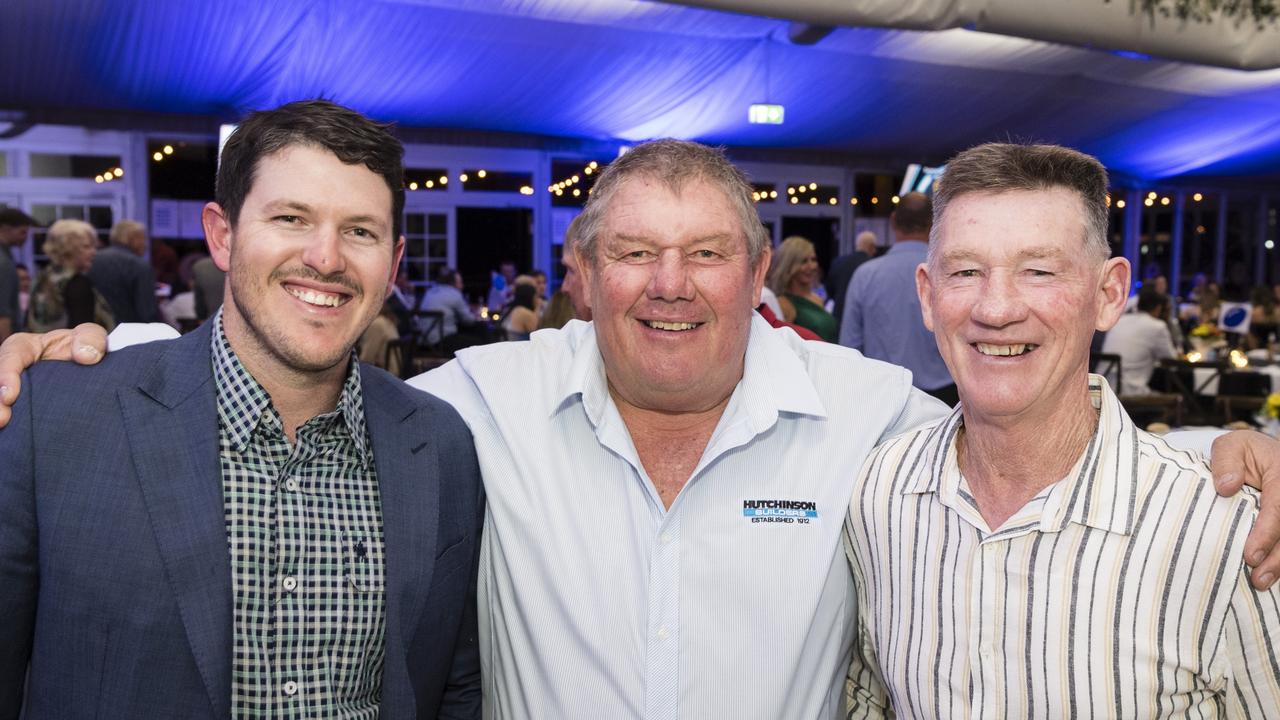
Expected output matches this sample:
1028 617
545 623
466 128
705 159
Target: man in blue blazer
244 522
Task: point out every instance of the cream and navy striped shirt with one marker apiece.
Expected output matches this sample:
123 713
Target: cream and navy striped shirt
1117 592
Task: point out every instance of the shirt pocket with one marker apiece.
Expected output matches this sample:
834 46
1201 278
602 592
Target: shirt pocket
364 562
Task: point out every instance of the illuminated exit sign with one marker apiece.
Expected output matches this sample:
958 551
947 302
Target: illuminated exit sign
760 114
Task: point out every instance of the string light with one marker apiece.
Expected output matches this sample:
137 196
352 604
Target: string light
481 173
1164 201
157 156
574 179
413 186
1120 204
1148 202
168 149
1197 197
463 177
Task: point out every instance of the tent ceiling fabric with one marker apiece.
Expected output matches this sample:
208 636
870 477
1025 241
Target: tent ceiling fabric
1113 25
627 70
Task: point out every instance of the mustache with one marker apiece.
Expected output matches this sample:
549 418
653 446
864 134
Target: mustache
302 272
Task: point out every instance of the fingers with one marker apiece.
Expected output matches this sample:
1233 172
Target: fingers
1260 549
17 353
1230 459
88 343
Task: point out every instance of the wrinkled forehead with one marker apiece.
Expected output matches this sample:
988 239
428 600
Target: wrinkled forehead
644 205
1048 221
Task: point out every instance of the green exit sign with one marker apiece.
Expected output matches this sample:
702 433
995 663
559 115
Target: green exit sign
761 114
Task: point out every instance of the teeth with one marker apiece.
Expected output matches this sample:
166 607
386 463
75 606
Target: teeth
1018 349
312 297
659 325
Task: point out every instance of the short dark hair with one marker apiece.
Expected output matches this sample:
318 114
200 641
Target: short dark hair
524 296
1151 299
914 214
445 274
13 217
352 137
1009 167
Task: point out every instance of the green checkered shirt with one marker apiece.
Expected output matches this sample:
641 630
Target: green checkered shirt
304 526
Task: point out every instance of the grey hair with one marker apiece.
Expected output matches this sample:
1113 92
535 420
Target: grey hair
1007 167
675 163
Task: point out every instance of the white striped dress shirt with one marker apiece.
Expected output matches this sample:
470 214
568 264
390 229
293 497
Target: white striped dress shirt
597 602
1118 592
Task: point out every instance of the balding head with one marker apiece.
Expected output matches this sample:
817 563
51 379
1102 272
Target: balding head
913 217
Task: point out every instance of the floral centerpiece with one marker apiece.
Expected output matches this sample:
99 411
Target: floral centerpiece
1205 338
1269 416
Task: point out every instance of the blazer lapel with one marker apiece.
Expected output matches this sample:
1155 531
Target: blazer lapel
172 425
408 481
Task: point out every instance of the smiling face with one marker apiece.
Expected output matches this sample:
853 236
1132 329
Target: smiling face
672 290
310 260
806 275
1014 296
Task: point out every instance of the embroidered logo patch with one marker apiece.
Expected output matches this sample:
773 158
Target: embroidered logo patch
797 512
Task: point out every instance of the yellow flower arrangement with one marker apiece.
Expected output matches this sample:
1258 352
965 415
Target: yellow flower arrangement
1205 330
1272 408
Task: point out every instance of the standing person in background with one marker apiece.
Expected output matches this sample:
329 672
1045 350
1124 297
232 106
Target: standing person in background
882 311
123 277
572 285
208 283
164 261
63 296
843 267
14 226
540 291
792 277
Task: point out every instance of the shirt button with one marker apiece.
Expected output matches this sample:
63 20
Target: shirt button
662 633
666 538
291 688
289 583
291 485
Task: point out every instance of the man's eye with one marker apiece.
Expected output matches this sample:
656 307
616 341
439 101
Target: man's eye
1040 273
968 273
706 254
288 219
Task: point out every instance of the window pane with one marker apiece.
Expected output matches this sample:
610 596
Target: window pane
72 166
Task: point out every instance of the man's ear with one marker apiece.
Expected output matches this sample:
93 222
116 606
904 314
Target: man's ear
924 290
395 267
586 270
759 274
217 234
1113 292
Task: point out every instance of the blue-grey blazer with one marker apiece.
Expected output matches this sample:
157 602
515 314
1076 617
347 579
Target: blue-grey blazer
115 579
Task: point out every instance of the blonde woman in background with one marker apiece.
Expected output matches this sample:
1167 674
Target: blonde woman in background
792 277
62 295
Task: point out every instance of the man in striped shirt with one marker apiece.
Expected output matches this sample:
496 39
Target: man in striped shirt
1035 555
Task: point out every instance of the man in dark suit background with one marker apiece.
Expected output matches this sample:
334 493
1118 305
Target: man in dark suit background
244 522
123 277
837 282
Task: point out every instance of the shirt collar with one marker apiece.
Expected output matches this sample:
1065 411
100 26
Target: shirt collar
1100 491
775 379
242 400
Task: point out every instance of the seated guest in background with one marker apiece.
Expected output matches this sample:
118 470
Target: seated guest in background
843 267
519 318
403 301
559 311
882 311
1265 319
501 289
540 290
123 277
1035 555
63 296
1142 340
792 277
373 342
445 295
208 283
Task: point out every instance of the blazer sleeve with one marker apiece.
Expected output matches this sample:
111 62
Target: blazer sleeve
462 692
19 582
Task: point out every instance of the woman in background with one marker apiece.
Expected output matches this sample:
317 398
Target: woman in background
559 311
792 277
519 319
63 296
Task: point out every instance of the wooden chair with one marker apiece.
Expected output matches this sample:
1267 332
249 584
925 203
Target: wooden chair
1142 409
